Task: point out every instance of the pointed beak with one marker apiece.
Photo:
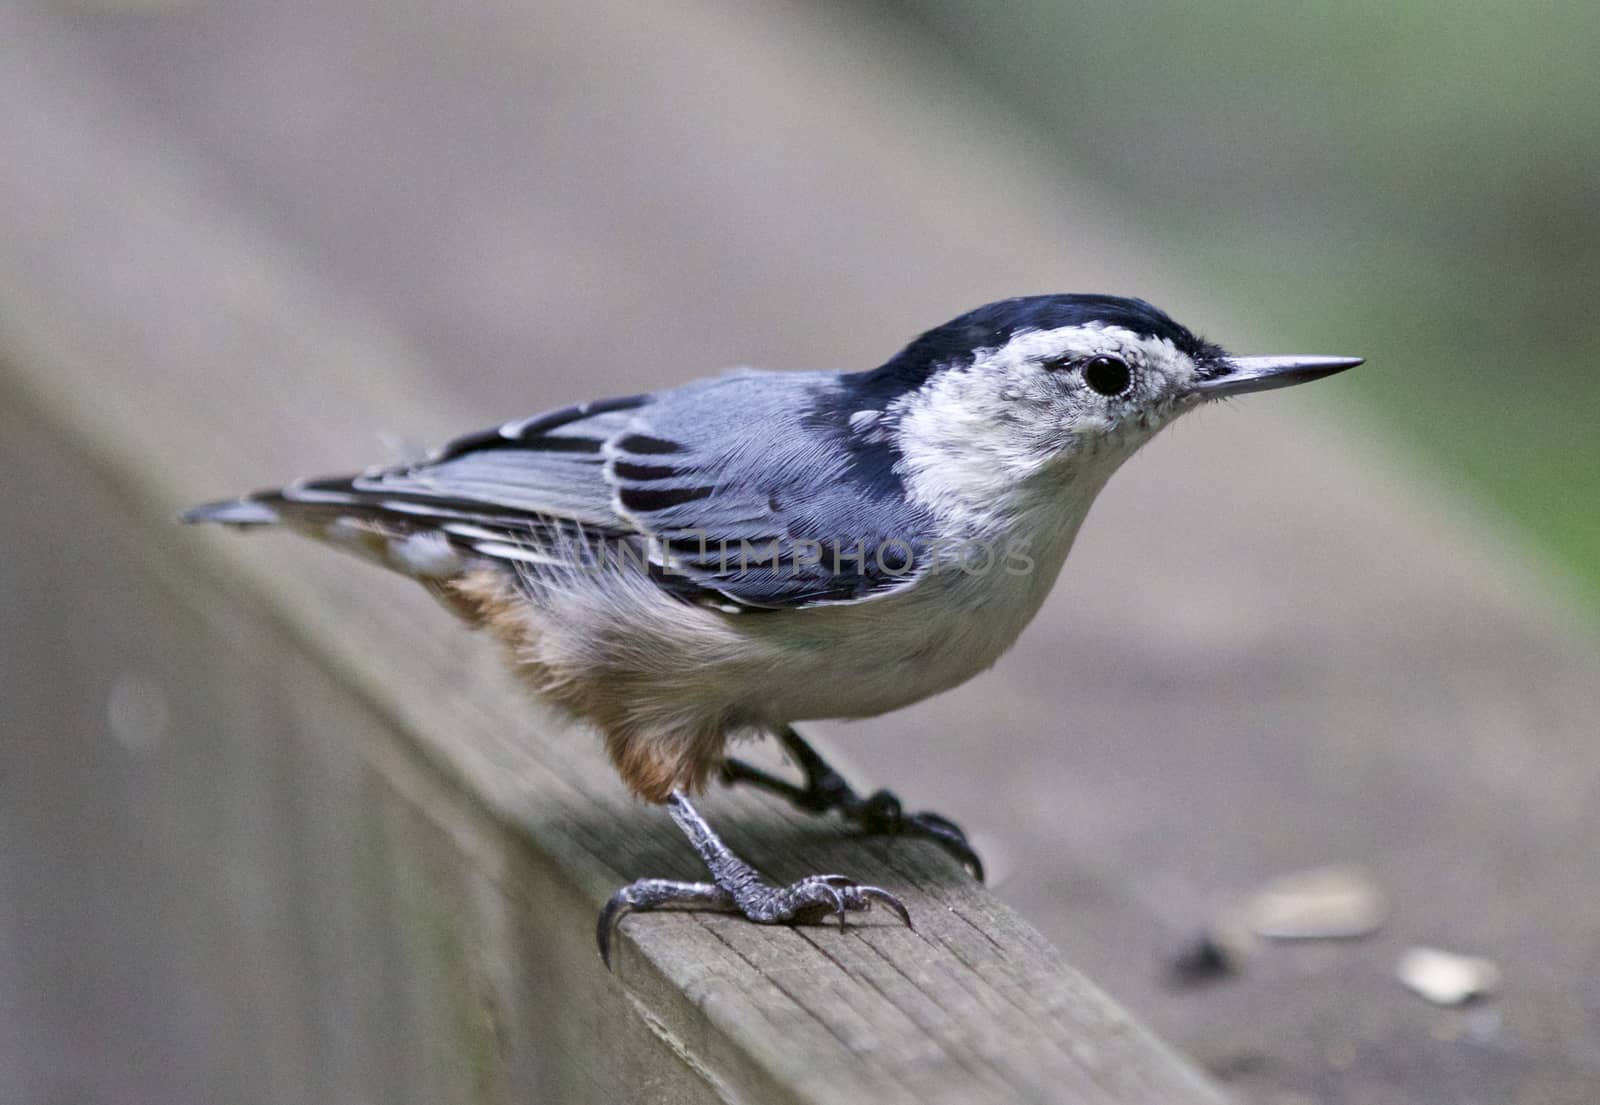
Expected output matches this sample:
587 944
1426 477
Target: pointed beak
1241 375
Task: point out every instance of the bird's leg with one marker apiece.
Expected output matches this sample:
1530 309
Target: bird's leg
825 789
739 888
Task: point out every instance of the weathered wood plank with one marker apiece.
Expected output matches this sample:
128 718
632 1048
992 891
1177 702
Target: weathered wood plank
170 350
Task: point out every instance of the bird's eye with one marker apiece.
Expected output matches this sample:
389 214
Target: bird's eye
1107 375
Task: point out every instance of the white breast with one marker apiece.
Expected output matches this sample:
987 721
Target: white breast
868 658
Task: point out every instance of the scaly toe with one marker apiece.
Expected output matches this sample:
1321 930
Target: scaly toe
882 814
858 897
645 894
947 835
804 900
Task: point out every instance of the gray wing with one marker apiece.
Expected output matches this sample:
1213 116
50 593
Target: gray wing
747 490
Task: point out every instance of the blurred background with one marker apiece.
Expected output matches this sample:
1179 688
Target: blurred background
1358 622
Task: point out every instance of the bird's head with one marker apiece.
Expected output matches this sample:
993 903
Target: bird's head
1056 389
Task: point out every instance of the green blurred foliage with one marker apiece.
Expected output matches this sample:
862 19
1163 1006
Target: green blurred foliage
1417 181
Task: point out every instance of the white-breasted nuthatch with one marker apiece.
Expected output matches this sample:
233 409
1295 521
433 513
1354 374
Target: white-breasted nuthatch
749 551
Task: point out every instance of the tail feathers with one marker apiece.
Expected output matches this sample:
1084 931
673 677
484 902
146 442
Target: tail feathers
424 536
233 512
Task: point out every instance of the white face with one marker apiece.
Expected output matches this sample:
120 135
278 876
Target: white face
1050 407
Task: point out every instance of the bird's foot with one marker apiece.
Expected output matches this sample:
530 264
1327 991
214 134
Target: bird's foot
738 888
880 813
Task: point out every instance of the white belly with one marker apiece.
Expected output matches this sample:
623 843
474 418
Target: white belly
869 658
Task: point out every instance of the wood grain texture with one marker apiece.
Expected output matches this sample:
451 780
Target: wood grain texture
157 347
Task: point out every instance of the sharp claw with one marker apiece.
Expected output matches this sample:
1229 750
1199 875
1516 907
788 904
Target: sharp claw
964 855
839 905
871 893
948 835
849 896
936 822
616 908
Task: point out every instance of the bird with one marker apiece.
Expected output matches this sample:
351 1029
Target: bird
725 559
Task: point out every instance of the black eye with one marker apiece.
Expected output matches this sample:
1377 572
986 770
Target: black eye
1107 375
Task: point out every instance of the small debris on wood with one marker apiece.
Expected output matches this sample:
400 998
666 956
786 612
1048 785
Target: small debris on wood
1338 902
1199 961
1215 953
1446 978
